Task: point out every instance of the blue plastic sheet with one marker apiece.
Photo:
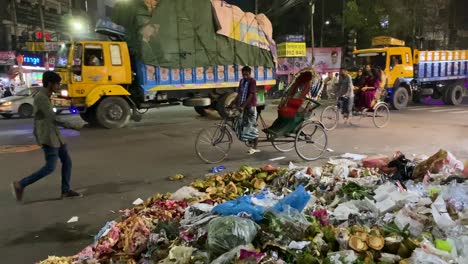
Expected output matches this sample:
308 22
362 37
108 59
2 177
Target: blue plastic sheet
297 200
242 204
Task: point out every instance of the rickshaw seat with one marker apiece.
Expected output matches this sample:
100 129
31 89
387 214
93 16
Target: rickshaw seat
291 108
284 125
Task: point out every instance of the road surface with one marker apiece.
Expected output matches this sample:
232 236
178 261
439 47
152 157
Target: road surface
114 167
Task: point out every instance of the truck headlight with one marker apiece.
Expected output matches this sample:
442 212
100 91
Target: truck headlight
64 93
7 104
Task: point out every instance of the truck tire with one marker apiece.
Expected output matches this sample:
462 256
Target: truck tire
201 110
202 101
113 112
25 110
90 116
455 95
400 98
224 101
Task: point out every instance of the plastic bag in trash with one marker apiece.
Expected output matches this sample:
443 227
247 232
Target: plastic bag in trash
289 223
297 200
402 220
266 199
185 193
421 257
342 257
178 255
440 215
229 256
341 171
242 204
228 232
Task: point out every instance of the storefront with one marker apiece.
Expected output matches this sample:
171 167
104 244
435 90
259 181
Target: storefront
7 60
32 68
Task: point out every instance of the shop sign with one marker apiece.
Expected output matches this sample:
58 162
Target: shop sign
34 60
292 49
39 46
7 58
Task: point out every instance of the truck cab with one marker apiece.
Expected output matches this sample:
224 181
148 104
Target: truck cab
396 61
96 77
414 74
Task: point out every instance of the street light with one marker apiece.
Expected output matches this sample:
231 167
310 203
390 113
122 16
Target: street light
327 22
77 25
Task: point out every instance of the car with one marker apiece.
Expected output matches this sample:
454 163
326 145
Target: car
21 104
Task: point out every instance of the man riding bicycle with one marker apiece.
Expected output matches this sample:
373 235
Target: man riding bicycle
246 102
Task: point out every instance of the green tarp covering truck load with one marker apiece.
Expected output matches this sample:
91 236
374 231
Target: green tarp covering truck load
195 33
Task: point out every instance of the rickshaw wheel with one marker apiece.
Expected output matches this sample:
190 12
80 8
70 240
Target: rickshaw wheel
311 141
282 146
381 115
330 117
213 144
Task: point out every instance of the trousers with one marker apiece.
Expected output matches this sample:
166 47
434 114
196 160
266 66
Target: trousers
52 155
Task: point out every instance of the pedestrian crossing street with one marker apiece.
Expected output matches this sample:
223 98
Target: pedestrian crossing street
455 110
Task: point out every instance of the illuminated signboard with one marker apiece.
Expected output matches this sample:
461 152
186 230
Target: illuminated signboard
32 60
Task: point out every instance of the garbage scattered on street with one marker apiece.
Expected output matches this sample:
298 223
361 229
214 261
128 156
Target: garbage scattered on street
278 158
177 177
353 209
138 201
74 219
218 169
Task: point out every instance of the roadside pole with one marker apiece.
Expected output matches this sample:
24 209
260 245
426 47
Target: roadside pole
41 13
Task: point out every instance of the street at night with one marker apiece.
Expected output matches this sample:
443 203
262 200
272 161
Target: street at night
233 132
115 167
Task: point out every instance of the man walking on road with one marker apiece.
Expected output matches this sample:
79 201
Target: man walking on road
48 136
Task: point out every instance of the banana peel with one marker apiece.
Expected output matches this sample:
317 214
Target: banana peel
258 184
177 177
230 188
357 244
376 242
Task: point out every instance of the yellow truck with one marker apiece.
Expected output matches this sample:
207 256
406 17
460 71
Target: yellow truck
415 74
176 57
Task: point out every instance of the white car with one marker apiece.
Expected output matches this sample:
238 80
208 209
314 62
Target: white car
21 103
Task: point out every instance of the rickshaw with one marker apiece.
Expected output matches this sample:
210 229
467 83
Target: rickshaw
292 129
379 112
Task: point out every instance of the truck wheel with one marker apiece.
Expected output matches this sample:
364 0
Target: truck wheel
90 116
201 110
113 112
224 101
400 98
455 95
25 110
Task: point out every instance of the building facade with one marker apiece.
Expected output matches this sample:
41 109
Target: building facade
21 33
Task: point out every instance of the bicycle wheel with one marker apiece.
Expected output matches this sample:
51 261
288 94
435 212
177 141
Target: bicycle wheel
381 115
329 117
213 144
281 146
311 141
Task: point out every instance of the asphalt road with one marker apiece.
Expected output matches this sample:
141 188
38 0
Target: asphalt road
114 167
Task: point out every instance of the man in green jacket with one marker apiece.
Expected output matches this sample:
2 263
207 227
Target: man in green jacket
49 138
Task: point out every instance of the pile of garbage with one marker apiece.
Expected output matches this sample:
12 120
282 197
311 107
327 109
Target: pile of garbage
354 209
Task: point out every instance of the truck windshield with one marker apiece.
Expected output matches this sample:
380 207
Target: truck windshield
373 59
62 56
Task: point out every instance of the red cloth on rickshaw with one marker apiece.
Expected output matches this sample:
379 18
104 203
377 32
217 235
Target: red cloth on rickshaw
366 98
291 108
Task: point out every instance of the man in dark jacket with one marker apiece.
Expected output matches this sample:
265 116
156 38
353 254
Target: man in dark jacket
48 136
